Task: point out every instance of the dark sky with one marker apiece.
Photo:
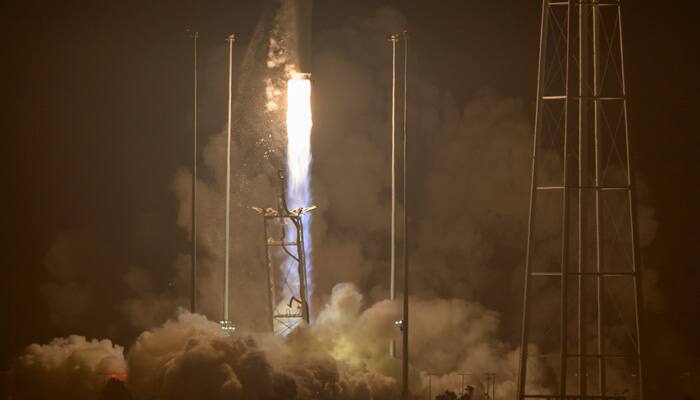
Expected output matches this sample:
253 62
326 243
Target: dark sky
97 93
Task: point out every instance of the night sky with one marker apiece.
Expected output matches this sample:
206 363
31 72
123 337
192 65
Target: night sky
97 98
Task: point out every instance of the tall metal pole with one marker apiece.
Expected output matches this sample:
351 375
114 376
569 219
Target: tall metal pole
405 224
392 278
230 41
194 184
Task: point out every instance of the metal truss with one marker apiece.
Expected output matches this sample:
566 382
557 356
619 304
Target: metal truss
282 247
581 326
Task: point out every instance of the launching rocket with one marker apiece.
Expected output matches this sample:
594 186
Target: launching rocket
304 30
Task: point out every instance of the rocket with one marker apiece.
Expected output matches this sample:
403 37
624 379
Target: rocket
303 10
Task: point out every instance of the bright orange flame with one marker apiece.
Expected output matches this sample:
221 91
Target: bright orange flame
121 377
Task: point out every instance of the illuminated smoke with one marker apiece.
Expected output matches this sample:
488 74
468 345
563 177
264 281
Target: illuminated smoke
67 368
342 356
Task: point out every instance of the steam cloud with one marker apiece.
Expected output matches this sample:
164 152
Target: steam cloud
341 356
67 368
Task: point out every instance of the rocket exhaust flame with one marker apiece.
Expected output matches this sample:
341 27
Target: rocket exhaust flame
299 139
299 124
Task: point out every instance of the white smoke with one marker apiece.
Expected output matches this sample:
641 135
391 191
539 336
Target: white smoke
342 356
191 358
66 368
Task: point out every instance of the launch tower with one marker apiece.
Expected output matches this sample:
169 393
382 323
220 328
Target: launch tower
283 247
581 328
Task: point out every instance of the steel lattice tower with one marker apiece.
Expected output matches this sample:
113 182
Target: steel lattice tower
581 330
284 247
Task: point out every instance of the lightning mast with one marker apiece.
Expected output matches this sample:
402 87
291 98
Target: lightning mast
404 321
193 308
226 324
392 275
402 324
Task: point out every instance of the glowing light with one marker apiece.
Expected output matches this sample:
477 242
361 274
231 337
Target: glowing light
227 327
121 377
298 139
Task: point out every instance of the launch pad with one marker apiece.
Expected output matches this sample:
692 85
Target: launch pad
284 244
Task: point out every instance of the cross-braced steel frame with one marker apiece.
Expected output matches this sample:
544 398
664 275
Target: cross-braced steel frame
581 326
285 245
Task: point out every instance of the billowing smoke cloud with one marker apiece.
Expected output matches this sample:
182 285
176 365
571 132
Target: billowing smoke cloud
191 358
342 356
447 336
66 368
